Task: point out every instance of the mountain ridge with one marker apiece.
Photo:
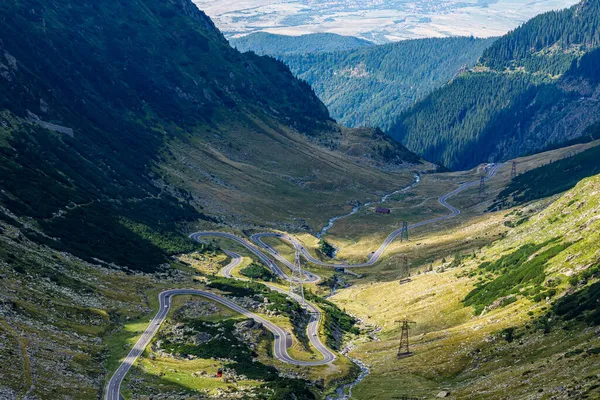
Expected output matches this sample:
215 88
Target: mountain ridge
371 86
263 43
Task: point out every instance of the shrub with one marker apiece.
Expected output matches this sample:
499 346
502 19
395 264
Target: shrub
257 271
516 271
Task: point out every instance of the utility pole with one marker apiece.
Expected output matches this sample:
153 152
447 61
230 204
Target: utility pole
297 281
404 231
404 270
481 185
513 172
403 348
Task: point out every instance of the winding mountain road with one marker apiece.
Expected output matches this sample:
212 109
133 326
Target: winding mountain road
282 338
312 328
309 277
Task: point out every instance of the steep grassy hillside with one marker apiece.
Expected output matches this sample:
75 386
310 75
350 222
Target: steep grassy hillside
264 43
534 86
101 104
66 324
518 315
60 317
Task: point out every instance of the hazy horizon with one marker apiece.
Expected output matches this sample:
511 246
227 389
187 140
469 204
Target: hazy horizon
377 20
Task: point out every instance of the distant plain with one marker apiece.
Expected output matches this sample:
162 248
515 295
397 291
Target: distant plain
380 21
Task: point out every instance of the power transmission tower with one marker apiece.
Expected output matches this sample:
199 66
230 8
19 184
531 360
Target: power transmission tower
481 185
404 270
513 171
297 281
403 348
404 232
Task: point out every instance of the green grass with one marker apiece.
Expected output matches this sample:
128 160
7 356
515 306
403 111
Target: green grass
336 322
165 373
119 344
227 347
326 248
581 305
20 377
172 370
278 301
523 346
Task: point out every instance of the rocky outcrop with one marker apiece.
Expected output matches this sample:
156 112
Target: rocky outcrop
193 309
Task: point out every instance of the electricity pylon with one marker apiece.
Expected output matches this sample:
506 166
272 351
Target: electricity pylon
404 232
297 281
513 171
403 348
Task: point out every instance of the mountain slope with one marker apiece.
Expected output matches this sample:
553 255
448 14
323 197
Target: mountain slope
532 87
123 125
264 43
99 102
550 179
372 86
518 315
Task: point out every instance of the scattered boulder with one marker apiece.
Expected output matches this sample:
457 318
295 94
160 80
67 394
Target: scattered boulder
202 337
194 309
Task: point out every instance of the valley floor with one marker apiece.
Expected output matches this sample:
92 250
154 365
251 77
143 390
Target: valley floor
513 338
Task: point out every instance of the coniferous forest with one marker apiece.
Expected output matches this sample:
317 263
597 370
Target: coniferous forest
370 85
517 99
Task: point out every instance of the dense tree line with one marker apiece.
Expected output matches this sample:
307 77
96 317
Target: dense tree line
586 67
447 126
552 34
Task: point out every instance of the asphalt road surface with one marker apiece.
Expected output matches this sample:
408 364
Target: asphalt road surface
282 338
309 277
312 328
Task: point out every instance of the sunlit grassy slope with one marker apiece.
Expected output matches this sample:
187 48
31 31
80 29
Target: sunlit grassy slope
247 171
521 343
